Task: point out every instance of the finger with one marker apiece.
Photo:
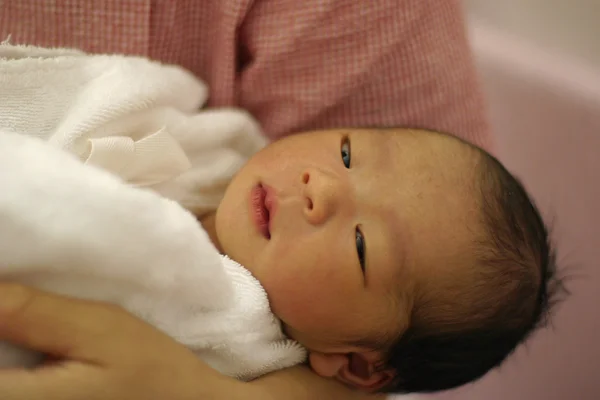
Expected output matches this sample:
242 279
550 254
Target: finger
71 382
63 327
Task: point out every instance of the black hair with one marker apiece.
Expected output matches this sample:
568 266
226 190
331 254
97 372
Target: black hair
512 295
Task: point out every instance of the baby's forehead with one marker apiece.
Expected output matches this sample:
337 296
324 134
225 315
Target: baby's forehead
446 148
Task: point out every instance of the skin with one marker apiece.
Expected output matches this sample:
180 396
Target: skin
331 189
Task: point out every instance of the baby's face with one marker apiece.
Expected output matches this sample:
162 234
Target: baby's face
344 227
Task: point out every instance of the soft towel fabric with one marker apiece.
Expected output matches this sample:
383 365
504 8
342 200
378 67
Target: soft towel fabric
129 116
78 133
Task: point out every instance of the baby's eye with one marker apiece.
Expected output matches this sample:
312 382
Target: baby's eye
346 157
360 248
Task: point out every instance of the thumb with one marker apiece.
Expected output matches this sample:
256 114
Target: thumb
59 326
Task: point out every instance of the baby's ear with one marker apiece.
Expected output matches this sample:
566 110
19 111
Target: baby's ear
357 370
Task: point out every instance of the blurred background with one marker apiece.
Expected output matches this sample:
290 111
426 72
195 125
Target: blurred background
539 62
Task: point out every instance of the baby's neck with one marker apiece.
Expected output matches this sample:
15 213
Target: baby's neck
208 222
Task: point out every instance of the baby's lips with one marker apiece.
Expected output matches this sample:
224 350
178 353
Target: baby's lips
50 360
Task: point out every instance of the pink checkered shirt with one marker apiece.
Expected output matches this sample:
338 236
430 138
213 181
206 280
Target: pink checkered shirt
295 64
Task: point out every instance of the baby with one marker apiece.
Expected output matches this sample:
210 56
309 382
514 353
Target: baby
404 260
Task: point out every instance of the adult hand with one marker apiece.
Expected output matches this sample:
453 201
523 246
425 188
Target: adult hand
101 353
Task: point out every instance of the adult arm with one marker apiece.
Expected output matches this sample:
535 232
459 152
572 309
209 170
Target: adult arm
299 383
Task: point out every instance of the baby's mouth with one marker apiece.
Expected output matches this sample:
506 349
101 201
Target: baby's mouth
261 214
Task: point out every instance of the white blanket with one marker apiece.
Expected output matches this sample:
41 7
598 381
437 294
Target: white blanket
78 133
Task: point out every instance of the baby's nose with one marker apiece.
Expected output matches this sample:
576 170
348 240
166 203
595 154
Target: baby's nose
321 192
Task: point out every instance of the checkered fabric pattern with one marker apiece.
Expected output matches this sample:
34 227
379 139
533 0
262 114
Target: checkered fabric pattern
296 65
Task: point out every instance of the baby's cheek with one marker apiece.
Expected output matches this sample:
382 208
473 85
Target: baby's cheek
307 302
306 288
295 301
